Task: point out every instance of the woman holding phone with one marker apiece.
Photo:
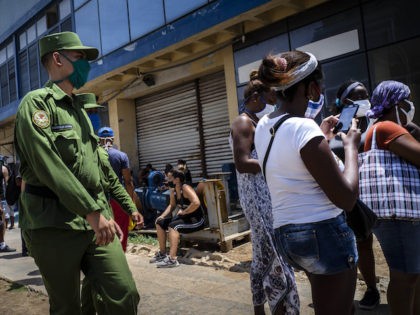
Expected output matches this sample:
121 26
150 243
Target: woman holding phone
355 92
310 229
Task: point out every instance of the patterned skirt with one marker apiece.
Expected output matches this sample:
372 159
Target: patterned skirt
272 279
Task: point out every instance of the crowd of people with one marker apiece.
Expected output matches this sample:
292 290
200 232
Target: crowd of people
296 182
312 174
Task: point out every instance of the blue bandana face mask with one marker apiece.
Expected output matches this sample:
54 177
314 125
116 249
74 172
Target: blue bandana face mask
314 108
81 68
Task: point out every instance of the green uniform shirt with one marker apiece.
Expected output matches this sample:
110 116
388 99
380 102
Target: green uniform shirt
58 149
112 184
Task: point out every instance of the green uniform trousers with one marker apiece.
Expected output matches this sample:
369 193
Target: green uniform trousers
60 256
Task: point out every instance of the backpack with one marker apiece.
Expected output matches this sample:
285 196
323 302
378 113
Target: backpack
12 189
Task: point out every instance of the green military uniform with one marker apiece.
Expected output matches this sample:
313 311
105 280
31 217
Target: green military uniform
60 166
112 186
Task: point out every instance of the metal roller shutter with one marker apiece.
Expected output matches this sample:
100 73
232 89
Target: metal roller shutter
167 129
168 126
215 119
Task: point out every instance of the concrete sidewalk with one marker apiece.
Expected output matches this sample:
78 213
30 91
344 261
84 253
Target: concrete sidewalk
187 289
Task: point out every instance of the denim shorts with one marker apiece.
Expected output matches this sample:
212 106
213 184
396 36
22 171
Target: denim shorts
324 247
400 243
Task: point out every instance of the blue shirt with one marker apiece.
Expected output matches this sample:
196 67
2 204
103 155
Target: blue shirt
119 161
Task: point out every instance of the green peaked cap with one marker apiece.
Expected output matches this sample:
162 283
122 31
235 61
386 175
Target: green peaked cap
88 100
65 41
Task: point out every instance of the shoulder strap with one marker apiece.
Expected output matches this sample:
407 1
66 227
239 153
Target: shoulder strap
273 131
373 144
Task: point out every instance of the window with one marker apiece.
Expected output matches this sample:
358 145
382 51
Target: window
41 25
145 16
78 3
177 8
4 84
398 62
65 8
24 86
66 26
87 24
389 21
31 34
22 40
7 74
338 71
249 58
3 55
10 50
335 29
33 66
114 24
12 80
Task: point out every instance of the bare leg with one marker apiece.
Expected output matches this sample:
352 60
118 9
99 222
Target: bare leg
173 240
401 292
333 294
367 261
161 235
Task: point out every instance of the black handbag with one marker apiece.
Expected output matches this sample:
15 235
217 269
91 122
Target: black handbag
361 220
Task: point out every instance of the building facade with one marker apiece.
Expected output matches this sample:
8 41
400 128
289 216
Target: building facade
171 73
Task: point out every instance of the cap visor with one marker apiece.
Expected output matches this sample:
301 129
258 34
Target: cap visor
91 106
91 52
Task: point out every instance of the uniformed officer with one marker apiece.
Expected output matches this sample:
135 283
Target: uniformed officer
64 212
113 188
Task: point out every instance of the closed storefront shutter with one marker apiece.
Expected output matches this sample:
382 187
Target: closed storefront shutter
215 119
167 128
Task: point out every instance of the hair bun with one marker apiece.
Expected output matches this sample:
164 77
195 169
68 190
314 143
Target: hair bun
253 75
281 64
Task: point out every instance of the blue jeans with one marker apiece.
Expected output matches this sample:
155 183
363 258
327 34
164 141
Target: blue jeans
400 243
324 247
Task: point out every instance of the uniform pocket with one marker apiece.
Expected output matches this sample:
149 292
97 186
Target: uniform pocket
68 146
302 248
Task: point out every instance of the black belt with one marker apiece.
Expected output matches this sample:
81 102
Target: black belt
42 191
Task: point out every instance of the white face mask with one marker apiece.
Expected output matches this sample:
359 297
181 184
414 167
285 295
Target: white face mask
364 106
408 115
268 109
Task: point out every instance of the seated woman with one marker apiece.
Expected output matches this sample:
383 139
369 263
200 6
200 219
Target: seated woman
188 218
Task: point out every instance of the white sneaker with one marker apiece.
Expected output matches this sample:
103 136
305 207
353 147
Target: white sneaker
168 262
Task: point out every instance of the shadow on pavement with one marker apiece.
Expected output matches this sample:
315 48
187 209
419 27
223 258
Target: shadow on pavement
34 273
11 256
31 281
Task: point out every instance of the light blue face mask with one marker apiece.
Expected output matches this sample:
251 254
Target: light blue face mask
314 108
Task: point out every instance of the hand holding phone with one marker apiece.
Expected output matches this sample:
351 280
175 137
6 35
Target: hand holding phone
346 116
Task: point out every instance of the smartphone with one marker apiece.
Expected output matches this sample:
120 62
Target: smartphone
346 116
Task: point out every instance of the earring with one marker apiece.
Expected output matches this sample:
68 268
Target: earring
310 97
